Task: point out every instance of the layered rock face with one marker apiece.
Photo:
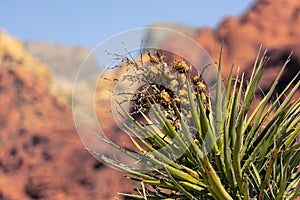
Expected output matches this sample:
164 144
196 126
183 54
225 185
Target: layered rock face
41 154
269 25
274 25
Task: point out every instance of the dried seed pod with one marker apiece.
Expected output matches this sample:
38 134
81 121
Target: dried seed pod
164 66
174 84
181 66
168 113
153 59
200 83
154 70
176 101
204 98
176 124
181 78
165 96
168 73
166 85
157 58
202 92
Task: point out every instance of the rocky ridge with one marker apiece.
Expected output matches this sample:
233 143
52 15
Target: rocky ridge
41 154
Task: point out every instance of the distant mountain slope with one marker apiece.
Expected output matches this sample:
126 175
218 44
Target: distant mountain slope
62 61
272 24
41 154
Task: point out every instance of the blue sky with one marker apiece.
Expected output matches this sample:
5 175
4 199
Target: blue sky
87 23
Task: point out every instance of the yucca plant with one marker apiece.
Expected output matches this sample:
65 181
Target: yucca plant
193 152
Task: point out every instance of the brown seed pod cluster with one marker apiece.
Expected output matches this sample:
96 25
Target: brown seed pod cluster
202 92
166 85
157 94
181 66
